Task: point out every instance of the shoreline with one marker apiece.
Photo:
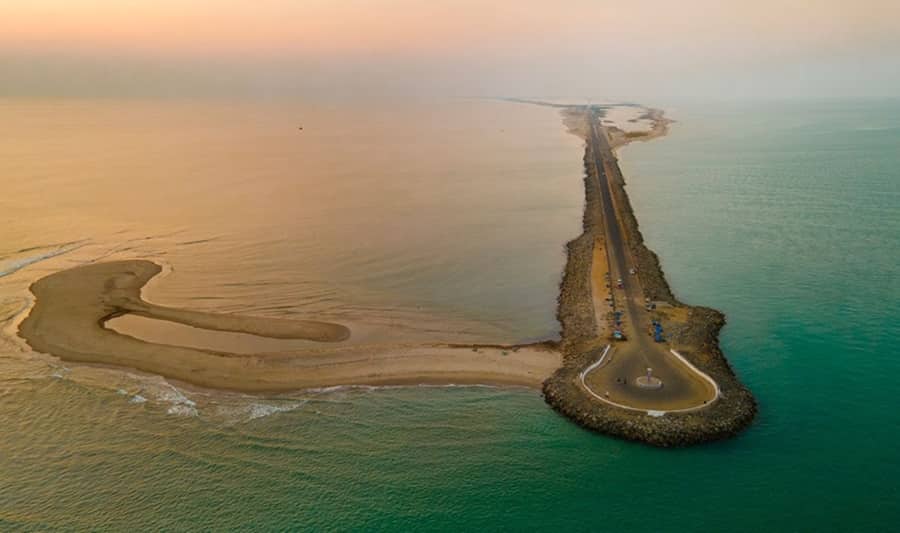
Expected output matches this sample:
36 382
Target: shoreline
71 307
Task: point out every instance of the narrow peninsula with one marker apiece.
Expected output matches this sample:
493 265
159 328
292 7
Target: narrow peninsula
637 363
632 361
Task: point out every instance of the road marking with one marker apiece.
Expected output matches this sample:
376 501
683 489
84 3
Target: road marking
598 363
650 412
702 374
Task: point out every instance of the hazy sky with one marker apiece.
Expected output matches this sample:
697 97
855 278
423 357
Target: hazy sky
636 49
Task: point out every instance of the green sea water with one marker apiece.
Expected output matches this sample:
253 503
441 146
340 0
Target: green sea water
784 216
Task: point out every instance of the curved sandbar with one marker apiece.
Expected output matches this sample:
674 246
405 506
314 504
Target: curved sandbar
71 307
612 247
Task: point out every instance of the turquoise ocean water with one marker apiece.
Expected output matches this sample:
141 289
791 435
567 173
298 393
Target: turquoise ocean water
784 216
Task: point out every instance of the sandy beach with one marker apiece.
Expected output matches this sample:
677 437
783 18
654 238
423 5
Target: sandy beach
72 306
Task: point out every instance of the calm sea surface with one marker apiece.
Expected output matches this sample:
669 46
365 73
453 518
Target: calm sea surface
446 221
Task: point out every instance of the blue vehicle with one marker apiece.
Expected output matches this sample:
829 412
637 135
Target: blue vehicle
657 332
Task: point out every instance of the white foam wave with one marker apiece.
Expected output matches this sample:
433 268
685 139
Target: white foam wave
260 410
174 396
157 390
182 410
181 405
9 266
61 372
367 388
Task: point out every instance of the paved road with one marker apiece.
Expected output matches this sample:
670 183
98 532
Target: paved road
683 387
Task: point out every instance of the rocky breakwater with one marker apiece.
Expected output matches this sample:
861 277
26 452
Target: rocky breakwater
694 331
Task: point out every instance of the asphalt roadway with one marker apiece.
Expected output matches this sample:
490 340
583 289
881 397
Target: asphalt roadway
683 387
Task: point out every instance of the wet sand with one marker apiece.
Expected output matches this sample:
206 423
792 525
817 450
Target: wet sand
72 306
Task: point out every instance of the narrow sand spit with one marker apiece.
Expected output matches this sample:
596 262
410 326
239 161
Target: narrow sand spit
72 306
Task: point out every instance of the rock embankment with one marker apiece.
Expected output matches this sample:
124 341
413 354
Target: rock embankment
575 307
726 417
